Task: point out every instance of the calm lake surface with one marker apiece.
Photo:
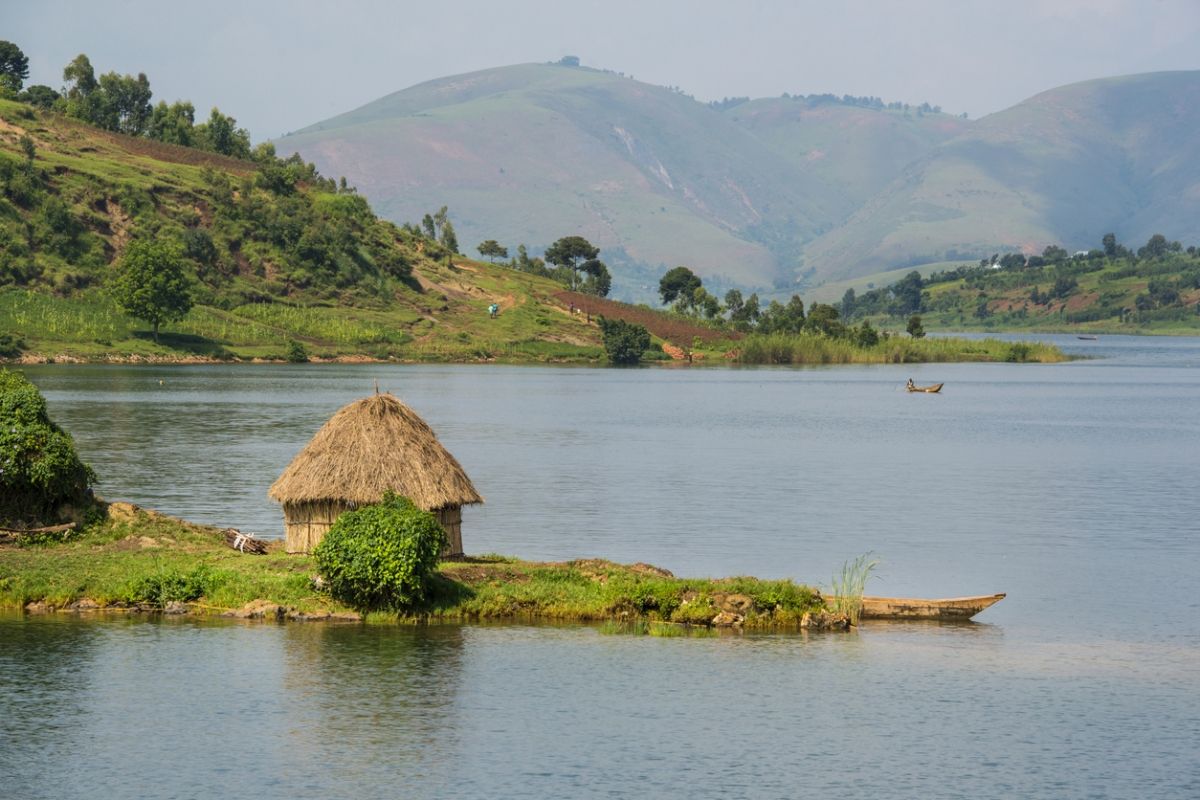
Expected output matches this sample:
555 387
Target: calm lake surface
1072 487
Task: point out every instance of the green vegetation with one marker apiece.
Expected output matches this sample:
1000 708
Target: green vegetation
151 284
381 555
579 255
139 558
623 341
42 478
1112 288
847 586
819 349
272 253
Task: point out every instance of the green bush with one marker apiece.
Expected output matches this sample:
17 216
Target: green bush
171 585
297 353
381 556
623 341
40 471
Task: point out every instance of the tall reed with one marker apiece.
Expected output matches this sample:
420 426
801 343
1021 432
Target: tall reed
847 587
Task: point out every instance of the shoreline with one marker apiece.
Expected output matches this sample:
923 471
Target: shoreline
137 561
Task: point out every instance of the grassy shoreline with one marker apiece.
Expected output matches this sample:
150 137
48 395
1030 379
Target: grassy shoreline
137 560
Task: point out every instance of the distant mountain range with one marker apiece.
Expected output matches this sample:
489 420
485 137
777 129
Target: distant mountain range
780 193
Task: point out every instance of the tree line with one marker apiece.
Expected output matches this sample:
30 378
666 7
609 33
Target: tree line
122 104
1170 268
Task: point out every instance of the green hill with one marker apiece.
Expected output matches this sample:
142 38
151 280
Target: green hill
1064 167
766 194
278 258
533 152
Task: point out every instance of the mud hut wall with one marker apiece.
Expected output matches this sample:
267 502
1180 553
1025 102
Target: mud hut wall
305 524
450 518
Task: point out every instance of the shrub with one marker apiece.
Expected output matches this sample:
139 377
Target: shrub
297 353
623 341
382 555
10 345
40 471
171 585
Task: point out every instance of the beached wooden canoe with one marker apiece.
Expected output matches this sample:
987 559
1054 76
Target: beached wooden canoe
948 609
937 387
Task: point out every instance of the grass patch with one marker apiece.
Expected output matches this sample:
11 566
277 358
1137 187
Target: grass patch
150 560
816 349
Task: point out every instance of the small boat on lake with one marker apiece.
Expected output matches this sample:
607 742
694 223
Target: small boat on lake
931 389
1087 337
946 610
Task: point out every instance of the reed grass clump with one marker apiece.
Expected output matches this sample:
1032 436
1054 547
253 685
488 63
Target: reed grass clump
848 585
783 348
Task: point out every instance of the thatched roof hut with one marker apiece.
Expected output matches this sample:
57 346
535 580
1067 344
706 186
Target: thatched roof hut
367 448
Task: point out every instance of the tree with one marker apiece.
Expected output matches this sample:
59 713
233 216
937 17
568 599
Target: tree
1109 242
449 240
848 301
823 318
572 252
427 227
679 284
39 95
151 284
173 123
82 96
907 293
14 67
1156 247
221 135
124 103
745 317
623 341
42 472
915 329
491 250
598 281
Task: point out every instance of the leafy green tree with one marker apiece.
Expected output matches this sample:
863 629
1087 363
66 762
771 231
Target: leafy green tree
428 228
747 316
914 328
906 294
848 302
1156 247
491 250
573 252
707 303
864 335
14 67
449 240
623 341
39 95
82 96
173 124
823 318
222 135
598 281
1055 254
124 104
39 468
678 285
151 284
1109 242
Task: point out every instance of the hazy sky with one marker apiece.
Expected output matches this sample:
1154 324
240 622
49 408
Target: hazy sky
278 65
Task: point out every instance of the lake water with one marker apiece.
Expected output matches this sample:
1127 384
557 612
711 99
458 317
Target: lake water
1072 487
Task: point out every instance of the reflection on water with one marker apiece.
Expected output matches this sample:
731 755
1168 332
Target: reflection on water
167 708
1070 487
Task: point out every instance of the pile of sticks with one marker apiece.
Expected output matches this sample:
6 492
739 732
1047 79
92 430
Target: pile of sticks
244 542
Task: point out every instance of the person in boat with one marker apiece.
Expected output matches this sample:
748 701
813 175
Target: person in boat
911 385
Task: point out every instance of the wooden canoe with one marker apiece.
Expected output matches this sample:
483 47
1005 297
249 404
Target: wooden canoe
948 609
935 388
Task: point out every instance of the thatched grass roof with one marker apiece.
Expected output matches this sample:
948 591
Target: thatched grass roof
368 447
